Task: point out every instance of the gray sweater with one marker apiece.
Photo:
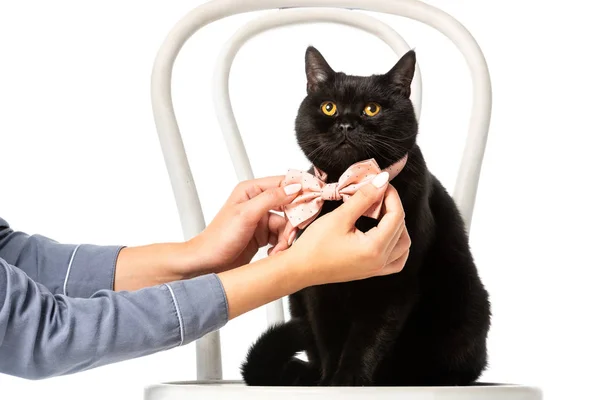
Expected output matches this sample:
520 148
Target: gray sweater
60 315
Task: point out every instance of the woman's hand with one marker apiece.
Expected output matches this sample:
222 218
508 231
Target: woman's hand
332 249
242 226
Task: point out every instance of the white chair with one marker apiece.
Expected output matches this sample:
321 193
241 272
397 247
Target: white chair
209 382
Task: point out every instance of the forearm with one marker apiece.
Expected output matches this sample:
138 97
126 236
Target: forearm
74 270
246 288
82 270
44 335
144 266
262 282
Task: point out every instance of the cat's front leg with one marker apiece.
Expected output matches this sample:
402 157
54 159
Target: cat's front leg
369 341
363 351
329 326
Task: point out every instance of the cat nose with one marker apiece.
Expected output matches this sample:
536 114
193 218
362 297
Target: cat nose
345 127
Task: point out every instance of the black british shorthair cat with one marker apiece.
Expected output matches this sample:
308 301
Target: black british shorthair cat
426 325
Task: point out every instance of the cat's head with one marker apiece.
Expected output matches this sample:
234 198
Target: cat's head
345 119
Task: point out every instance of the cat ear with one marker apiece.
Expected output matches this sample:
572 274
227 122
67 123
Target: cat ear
401 74
317 69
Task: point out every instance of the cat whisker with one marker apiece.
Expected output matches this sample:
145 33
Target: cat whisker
317 151
386 146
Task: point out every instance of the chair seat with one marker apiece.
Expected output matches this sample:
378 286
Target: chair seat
237 390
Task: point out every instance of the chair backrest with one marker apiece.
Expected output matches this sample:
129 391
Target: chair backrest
208 358
274 20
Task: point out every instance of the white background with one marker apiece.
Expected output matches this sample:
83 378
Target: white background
81 160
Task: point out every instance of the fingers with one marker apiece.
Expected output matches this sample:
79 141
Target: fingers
273 239
362 200
278 226
391 246
286 238
282 233
251 188
263 230
400 246
255 208
395 266
391 222
273 229
290 233
399 254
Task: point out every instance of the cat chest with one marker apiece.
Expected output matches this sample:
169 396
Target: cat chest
346 300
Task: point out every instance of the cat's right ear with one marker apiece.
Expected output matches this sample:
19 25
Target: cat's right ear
401 74
317 70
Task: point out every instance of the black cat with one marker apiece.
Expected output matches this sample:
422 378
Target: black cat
426 325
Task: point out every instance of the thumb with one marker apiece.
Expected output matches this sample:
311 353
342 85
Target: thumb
363 199
270 199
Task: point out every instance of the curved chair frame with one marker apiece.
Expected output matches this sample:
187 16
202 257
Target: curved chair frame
186 196
270 21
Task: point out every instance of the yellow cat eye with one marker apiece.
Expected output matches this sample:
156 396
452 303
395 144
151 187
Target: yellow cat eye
328 108
372 109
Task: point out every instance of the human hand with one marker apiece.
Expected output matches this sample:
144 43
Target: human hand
333 250
330 250
243 225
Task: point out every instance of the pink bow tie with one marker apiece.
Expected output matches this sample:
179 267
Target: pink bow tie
308 204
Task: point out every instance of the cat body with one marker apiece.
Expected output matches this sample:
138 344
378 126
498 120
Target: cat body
426 325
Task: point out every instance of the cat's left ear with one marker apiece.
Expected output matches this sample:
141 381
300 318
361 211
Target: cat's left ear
401 74
317 70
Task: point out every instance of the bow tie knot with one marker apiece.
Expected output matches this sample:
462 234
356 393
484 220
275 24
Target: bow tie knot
331 191
308 203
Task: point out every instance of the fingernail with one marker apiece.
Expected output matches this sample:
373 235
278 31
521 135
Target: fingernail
293 188
381 179
292 237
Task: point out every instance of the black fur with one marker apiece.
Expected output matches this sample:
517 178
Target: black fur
426 325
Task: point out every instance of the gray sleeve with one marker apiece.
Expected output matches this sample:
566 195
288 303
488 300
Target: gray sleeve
73 270
44 334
